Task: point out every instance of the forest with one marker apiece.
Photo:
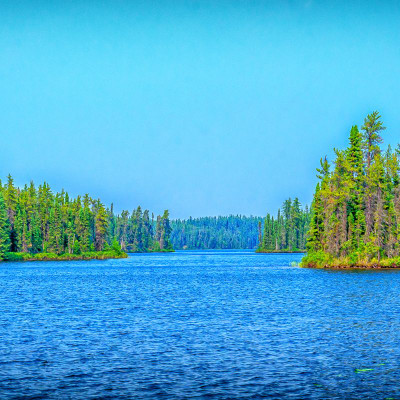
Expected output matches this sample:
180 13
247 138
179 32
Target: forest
356 206
138 233
288 231
354 218
231 232
37 224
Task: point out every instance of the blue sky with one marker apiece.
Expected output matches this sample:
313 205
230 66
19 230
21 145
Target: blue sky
201 107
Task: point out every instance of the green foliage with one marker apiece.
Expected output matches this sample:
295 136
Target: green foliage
99 255
318 259
37 221
77 247
231 232
356 207
371 135
116 246
4 228
15 256
135 232
156 246
288 231
163 232
101 225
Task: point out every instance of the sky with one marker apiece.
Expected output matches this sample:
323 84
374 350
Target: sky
200 107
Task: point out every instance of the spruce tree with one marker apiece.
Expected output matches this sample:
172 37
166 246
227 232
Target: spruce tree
36 220
356 206
165 242
4 229
100 227
288 231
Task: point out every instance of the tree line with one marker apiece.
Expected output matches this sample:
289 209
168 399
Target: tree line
231 232
138 233
356 205
288 231
36 220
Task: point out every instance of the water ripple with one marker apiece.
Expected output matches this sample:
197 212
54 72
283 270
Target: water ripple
201 325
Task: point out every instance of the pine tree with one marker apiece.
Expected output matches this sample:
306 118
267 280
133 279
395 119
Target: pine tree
356 207
4 229
148 231
288 231
371 135
101 227
36 234
165 243
36 220
315 241
11 194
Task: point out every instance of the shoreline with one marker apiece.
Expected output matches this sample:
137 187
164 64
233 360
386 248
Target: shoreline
151 251
281 251
325 261
339 267
87 256
95 255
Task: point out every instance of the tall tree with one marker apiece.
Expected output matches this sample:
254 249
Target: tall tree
4 228
37 220
356 206
101 226
371 129
288 231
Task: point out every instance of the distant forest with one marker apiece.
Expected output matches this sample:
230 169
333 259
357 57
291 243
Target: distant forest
285 232
36 222
232 232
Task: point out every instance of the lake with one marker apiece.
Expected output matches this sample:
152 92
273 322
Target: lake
198 324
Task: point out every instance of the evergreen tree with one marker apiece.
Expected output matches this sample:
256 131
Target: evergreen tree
165 232
35 220
36 234
356 207
4 228
222 232
288 231
101 227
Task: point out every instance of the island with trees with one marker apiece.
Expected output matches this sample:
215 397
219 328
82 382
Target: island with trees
355 218
37 224
288 231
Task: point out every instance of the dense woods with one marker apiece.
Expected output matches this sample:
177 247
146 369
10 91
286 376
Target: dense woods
232 232
136 232
36 221
287 232
356 207
354 218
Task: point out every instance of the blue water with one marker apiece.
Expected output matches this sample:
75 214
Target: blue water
215 324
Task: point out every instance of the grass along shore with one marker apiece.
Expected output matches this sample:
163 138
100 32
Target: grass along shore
90 255
324 260
280 251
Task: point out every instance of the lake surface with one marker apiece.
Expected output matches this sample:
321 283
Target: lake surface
212 324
